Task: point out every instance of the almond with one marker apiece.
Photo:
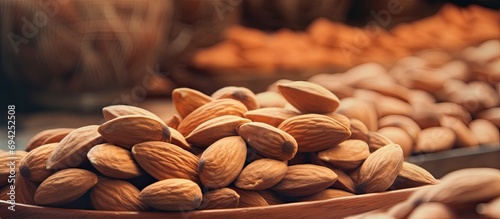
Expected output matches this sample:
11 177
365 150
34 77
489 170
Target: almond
126 131
347 155
492 115
377 141
400 137
271 197
268 141
250 199
64 186
412 175
173 121
271 115
214 129
455 110
220 199
179 140
344 182
380 169
491 209
242 94
115 195
361 110
465 137
326 194
391 106
270 99
209 111
165 161
305 179
32 166
315 132
172 195
309 97
42 136
25 190
359 131
113 161
425 115
114 111
485 132
72 150
222 162
403 122
11 165
186 100
261 174
435 139
341 118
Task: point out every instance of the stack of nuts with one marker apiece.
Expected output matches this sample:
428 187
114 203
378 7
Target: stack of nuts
221 151
425 103
456 197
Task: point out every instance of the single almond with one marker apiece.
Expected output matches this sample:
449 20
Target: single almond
346 155
269 141
166 161
341 118
72 150
412 175
261 174
305 179
377 141
250 198
403 122
115 195
361 110
179 140
425 115
242 94
271 197
492 115
126 131
220 199
42 136
209 111
380 169
315 132
173 121
113 161
33 165
485 132
435 139
222 162
172 195
359 130
64 187
465 137
400 137
111 112
391 106
309 97
186 100
272 115
10 159
25 190
214 129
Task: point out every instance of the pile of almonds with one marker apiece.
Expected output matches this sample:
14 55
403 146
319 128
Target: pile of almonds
226 150
466 193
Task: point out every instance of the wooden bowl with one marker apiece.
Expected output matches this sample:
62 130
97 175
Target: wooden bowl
332 208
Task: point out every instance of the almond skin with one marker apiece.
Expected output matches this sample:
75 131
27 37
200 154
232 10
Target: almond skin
412 175
362 110
242 94
114 161
346 155
359 131
42 136
165 161
111 112
485 132
261 174
32 166
186 100
214 129
377 141
25 190
64 186
309 97
220 199
305 179
314 132
250 198
269 141
72 150
7 158
209 111
172 195
399 136
380 169
403 122
222 162
115 195
126 131
435 139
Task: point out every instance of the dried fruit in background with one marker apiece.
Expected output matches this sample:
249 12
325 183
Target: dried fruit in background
485 132
435 139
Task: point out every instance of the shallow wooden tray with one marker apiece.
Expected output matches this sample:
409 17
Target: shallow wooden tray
332 208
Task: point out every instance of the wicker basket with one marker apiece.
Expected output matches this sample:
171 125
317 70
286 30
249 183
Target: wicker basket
70 47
